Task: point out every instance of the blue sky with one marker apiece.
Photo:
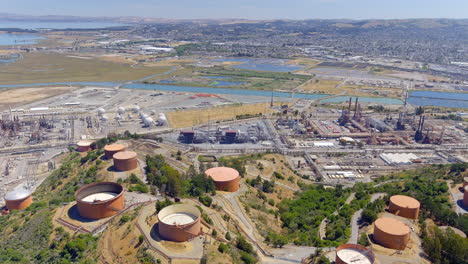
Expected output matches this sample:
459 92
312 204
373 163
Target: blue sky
250 9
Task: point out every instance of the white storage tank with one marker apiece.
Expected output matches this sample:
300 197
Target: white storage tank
148 121
162 119
121 110
101 111
136 109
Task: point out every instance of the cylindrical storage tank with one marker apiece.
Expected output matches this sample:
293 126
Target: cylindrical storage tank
100 200
465 197
125 160
148 121
84 146
354 254
121 110
391 233
465 182
110 150
136 109
18 200
226 179
404 206
179 222
101 111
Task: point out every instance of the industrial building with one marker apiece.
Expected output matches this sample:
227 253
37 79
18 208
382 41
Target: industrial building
110 150
354 254
100 200
84 146
125 160
17 200
391 233
179 222
399 158
404 206
225 179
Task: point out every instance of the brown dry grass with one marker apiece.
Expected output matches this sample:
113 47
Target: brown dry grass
52 67
21 96
188 118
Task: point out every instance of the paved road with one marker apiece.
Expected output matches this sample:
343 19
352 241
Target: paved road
355 219
457 198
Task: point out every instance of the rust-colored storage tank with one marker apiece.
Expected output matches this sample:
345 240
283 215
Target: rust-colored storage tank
391 233
225 179
110 150
465 197
100 200
179 222
125 160
18 200
404 206
84 146
354 254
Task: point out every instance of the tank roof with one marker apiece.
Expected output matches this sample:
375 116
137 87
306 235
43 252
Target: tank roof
405 201
17 195
391 226
222 174
114 147
178 219
99 197
99 192
355 256
84 143
179 214
123 155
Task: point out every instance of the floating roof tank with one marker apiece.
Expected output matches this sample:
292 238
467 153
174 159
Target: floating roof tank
18 199
84 146
110 150
391 233
100 200
179 222
225 179
125 160
404 206
354 254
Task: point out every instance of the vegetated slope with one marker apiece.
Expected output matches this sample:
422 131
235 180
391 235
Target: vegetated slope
302 216
29 236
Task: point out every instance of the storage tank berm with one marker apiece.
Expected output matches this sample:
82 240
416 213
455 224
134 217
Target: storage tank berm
125 160
179 222
100 200
391 233
404 206
225 179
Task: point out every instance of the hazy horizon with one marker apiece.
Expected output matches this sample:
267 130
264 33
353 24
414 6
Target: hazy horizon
244 9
